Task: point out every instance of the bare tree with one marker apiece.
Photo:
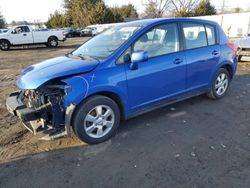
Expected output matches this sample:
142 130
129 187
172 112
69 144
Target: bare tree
156 8
178 8
184 8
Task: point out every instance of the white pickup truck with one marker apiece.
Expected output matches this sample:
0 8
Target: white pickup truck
25 35
243 47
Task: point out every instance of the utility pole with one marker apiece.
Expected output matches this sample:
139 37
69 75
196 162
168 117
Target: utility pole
248 29
223 7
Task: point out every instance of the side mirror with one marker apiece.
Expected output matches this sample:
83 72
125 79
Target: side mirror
127 58
137 57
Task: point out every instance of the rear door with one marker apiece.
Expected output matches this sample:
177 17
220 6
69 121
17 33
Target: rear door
164 74
202 53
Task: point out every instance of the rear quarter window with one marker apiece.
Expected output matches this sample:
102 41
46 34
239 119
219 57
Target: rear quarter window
211 34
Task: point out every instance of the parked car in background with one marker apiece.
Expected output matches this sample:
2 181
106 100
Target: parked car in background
71 32
80 29
3 30
243 47
125 71
25 35
88 32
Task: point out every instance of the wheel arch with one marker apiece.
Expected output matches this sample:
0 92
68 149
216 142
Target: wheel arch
114 96
229 68
5 39
52 36
226 65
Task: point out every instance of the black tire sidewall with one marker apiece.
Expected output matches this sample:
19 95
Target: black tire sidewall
7 42
239 58
221 70
52 39
83 109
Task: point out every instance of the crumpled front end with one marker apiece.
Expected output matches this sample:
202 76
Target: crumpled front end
41 110
49 92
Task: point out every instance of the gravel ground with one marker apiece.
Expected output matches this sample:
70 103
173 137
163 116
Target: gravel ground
195 143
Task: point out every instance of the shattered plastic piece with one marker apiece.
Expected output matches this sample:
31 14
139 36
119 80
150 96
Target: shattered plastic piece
177 155
172 108
222 145
177 114
170 131
212 147
193 154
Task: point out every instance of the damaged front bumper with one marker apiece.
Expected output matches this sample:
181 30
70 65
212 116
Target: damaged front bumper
32 118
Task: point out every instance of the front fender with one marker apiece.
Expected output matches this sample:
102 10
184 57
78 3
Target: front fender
79 87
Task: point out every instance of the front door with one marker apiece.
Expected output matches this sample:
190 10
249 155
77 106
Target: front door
164 74
21 35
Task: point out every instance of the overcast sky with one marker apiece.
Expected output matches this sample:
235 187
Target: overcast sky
31 10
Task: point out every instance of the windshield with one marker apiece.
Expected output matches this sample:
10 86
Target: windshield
104 44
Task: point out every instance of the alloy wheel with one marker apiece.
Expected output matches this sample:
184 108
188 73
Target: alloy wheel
4 45
221 84
99 121
53 43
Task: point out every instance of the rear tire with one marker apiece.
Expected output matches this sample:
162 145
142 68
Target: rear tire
239 58
96 119
4 45
220 84
52 42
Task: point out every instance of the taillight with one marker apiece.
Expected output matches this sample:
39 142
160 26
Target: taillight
233 46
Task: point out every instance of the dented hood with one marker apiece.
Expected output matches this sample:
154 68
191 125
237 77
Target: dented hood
36 75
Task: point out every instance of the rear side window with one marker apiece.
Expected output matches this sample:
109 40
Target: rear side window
210 30
194 35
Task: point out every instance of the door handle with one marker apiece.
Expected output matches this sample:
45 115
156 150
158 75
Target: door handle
215 52
178 61
24 34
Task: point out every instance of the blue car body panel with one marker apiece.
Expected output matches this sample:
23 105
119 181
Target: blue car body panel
36 75
158 79
155 80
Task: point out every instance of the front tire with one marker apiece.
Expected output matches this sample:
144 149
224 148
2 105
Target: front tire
220 84
96 119
4 45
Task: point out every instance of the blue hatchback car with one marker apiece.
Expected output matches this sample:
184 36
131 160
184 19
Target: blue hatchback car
125 71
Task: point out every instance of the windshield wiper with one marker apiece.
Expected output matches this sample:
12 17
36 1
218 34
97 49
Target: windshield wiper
82 57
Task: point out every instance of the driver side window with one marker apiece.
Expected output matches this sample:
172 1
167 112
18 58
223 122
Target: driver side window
21 29
160 40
